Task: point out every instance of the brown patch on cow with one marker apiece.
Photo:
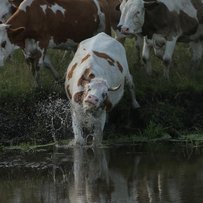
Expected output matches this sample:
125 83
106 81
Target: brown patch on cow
105 56
107 105
86 77
70 73
78 97
120 67
85 58
68 92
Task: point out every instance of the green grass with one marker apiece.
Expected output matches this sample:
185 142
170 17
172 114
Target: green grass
168 108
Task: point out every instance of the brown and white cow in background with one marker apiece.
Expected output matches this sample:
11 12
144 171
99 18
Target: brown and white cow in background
95 84
7 9
115 13
163 23
41 24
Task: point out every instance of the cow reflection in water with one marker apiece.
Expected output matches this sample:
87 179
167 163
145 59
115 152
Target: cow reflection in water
98 181
91 176
101 176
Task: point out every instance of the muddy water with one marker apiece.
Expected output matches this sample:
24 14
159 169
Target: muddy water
120 174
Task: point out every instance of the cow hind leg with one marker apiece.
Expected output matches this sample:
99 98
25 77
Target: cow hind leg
47 64
130 83
167 57
35 68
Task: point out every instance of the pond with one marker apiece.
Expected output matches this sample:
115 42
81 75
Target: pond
118 174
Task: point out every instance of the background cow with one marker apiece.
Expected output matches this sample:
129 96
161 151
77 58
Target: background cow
115 13
9 7
163 23
39 24
95 84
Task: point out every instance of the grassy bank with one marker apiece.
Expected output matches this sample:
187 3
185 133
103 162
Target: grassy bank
169 109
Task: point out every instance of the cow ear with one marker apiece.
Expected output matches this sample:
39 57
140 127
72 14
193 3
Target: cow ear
17 33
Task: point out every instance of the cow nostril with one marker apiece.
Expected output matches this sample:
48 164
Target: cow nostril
96 100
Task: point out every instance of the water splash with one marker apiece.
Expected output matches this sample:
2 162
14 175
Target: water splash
56 115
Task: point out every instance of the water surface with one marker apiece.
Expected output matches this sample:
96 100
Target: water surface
121 174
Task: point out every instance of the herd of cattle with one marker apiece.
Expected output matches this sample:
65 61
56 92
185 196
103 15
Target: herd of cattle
96 75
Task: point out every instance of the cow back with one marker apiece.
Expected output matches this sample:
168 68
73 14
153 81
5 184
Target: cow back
98 57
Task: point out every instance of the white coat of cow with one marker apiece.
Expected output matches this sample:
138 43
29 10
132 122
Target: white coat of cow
95 84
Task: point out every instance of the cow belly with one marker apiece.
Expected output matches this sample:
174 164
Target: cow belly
68 45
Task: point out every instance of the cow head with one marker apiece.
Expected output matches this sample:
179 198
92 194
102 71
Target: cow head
6 46
96 93
132 16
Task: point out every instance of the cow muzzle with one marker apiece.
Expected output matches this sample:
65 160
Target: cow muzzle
124 30
91 100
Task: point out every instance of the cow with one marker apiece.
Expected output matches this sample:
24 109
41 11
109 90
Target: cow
115 13
163 23
95 84
9 7
41 24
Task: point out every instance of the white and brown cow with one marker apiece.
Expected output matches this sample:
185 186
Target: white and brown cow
41 24
95 84
163 23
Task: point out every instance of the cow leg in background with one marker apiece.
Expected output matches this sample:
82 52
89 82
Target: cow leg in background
98 129
35 71
33 63
138 46
196 51
130 83
167 57
77 130
47 64
146 55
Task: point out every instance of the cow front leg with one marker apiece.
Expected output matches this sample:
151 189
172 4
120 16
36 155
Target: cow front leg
77 130
167 57
146 55
35 68
98 129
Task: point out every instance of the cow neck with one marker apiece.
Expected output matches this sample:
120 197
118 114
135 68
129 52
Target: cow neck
15 23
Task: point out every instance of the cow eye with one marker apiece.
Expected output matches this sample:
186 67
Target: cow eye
3 44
